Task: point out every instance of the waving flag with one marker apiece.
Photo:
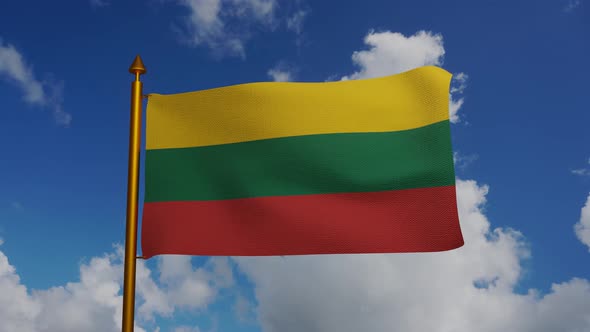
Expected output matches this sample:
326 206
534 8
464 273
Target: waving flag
277 168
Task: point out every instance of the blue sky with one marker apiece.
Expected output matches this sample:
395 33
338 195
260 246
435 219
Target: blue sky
520 133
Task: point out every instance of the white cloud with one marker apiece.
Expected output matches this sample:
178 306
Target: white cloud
222 272
45 94
295 21
462 161
582 228
581 171
572 5
189 288
99 3
244 309
186 287
282 72
155 299
12 66
223 25
280 75
392 53
94 302
460 79
17 309
467 289
454 106
458 85
584 171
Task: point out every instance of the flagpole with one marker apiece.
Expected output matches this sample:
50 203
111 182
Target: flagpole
137 68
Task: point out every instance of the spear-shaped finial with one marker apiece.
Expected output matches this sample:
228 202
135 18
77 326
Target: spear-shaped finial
137 66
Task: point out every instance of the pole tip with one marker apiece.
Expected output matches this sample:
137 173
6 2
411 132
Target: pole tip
137 66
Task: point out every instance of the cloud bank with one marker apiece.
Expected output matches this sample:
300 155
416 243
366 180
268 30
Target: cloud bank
94 303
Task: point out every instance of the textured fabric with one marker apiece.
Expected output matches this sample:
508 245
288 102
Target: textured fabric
360 166
313 164
411 220
255 111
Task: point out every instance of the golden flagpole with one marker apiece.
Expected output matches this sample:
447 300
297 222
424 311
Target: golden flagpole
137 68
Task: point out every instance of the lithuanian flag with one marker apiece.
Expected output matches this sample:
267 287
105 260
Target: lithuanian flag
362 166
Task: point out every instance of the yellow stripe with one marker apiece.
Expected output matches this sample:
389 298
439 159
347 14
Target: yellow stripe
254 111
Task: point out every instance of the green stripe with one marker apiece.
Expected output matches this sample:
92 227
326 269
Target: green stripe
314 164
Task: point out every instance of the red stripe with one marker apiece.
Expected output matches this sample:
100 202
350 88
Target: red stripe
413 220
